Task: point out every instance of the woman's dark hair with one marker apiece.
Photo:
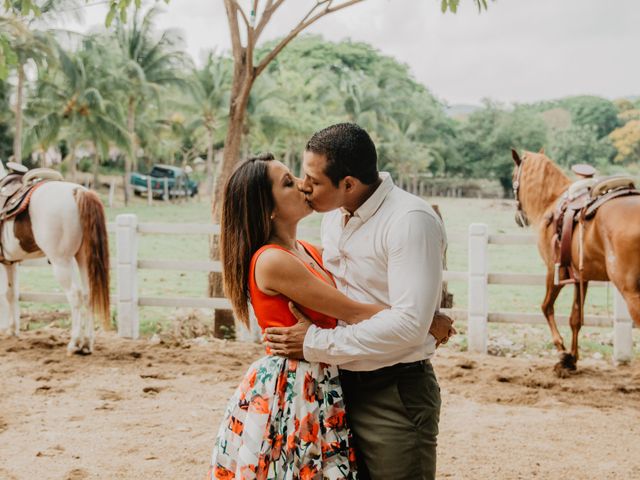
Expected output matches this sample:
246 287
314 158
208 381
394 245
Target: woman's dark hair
349 151
245 226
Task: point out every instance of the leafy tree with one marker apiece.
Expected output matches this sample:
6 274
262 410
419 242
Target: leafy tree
556 118
77 103
628 115
626 139
326 82
491 132
150 62
9 27
26 45
580 144
474 140
596 111
623 104
29 39
5 138
209 94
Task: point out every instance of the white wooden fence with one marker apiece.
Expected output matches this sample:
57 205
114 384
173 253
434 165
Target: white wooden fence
478 276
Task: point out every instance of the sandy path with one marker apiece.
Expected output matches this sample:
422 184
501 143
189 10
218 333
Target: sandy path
134 410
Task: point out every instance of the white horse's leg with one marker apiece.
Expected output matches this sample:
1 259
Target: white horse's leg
87 329
6 319
13 293
63 271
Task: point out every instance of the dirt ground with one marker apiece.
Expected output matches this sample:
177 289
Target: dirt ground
143 410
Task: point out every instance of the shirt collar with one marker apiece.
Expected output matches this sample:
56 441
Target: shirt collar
371 205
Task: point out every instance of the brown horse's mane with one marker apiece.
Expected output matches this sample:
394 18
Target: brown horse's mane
541 183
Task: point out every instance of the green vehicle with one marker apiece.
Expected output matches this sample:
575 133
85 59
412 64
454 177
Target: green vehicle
166 181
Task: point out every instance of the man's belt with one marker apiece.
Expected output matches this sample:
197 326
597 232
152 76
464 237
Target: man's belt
389 371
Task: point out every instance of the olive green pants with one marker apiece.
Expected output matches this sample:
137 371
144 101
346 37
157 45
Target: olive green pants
393 414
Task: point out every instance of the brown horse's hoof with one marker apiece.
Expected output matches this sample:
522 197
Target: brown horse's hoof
84 351
566 366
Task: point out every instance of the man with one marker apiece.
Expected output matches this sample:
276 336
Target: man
382 245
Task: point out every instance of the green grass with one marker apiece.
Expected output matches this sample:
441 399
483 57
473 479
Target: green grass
498 215
457 213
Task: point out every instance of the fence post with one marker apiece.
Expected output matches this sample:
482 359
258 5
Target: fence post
149 192
622 327
127 275
478 288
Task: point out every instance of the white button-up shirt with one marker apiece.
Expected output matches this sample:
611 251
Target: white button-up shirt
389 252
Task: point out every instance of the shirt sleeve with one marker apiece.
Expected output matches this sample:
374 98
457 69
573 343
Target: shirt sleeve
415 246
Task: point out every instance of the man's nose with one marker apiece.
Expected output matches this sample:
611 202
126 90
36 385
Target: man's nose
304 186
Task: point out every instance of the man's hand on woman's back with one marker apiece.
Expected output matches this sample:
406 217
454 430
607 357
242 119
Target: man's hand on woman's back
442 328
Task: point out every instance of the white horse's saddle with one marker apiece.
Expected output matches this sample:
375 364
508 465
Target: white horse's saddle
18 185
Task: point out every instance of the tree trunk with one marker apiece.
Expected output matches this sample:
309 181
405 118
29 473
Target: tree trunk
129 159
209 166
245 143
241 88
17 139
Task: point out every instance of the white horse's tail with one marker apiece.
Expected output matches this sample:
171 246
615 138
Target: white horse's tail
95 248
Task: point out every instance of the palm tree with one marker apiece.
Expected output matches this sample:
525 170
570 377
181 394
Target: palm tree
365 103
150 63
210 95
281 115
5 120
77 103
31 42
26 45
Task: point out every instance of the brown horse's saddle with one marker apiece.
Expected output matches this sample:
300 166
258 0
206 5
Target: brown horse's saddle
18 185
577 205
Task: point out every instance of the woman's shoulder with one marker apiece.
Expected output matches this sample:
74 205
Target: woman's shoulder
272 259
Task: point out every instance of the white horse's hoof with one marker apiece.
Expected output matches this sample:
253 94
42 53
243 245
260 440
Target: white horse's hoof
78 351
79 348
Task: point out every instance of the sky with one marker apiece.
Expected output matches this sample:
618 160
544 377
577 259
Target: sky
516 51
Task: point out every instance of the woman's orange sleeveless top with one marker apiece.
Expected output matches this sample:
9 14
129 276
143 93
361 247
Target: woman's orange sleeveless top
273 310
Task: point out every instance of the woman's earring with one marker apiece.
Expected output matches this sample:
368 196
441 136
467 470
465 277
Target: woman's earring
272 216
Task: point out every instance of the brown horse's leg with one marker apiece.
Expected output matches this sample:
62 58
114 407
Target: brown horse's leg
549 312
633 305
576 321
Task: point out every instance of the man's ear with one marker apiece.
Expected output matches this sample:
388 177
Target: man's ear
350 183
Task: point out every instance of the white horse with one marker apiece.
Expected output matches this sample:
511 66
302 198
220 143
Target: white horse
65 223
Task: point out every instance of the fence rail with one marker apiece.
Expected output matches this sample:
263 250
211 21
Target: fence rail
127 230
480 278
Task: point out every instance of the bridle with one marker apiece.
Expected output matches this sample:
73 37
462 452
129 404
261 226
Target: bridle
521 217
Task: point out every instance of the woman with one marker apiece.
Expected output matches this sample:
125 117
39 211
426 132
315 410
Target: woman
286 419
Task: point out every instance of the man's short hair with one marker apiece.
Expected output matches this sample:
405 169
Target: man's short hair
349 151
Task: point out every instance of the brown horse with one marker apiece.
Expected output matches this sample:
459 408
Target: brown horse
611 242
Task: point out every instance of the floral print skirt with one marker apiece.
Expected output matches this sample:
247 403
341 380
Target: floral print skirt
285 421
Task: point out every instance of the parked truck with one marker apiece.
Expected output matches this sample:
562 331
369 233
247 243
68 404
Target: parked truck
166 181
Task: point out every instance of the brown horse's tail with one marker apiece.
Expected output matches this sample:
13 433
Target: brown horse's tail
95 250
